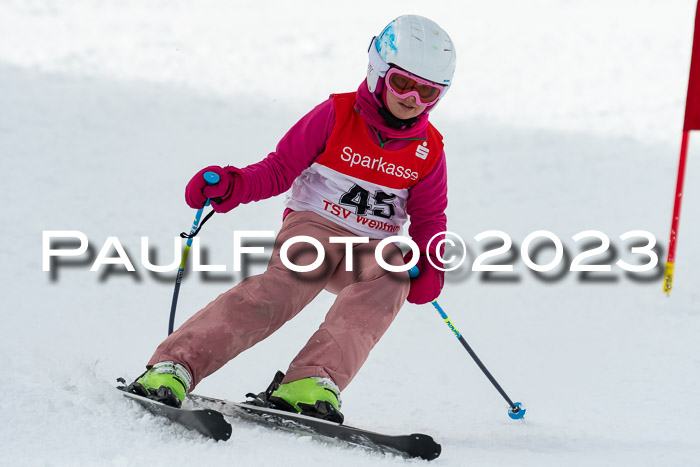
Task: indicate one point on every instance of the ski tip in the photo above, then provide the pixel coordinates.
(424, 447)
(518, 412)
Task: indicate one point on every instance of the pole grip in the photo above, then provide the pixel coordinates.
(211, 177)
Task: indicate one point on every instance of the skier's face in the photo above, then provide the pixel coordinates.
(403, 108)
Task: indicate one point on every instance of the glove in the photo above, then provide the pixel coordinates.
(427, 286)
(198, 190)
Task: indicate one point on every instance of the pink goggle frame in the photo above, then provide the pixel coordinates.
(402, 84)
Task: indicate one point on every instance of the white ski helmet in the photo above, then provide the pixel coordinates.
(416, 44)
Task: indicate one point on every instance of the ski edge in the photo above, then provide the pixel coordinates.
(420, 445)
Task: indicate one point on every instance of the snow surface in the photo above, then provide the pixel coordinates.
(563, 116)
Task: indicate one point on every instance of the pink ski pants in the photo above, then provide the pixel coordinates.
(368, 299)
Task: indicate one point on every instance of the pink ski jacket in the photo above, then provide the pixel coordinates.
(306, 141)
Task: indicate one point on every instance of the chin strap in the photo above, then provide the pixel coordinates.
(395, 122)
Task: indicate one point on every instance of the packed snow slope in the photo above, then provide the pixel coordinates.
(563, 117)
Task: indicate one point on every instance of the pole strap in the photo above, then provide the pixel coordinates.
(194, 234)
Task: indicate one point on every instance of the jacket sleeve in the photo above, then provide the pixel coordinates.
(296, 151)
(426, 206)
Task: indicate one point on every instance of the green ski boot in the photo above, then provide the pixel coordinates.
(315, 397)
(165, 382)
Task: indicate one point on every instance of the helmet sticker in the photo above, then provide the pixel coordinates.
(387, 41)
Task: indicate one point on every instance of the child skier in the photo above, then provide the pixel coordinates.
(359, 164)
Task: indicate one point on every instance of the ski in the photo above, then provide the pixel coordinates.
(410, 446)
(208, 422)
(209, 416)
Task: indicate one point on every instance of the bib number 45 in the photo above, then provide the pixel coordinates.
(359, 198)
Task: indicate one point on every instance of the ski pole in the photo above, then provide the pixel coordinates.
(516, 411)
(211, 178)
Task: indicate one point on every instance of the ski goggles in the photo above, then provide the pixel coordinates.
(402, 84)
